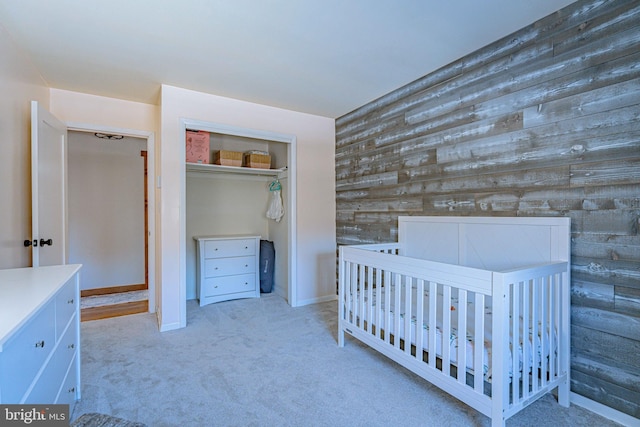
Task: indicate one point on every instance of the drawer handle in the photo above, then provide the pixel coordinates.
(70, 301)
(71, 346)
(40, 344)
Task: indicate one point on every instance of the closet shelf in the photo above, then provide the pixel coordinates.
(208, 168)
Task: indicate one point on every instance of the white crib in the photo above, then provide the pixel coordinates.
(492, 281)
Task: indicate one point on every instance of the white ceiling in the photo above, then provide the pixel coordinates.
(324, 57)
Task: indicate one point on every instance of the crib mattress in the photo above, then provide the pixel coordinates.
(378, 319)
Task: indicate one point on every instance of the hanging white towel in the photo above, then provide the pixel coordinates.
(276, 210)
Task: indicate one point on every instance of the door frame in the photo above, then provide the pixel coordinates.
(290, 197)
(151, 174)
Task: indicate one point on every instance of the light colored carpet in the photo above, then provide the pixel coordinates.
(102, 420)
(259, 362)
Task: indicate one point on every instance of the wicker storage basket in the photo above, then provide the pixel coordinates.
(259, 161)
(228, 158)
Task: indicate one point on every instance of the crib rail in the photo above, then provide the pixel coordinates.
(497, 341)
(386, 248)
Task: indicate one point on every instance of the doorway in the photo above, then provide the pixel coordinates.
(109, 222)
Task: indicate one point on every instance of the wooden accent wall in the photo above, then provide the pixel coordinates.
(545, 122)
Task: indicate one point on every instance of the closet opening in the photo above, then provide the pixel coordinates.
(230, 201)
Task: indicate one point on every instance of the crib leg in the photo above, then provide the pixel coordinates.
(340, 337)
(498, 422)
(563, 393)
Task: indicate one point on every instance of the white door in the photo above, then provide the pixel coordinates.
(48, 187)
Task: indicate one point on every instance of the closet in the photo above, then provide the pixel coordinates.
(233, 200)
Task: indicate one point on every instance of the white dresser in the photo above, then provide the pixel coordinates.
(227, 268)
(40, 335)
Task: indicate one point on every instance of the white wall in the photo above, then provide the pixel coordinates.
(78, 107)
(20, 83)
(315, 198)
(106, 209)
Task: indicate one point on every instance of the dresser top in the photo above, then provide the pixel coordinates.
(24, 290)
(229, 237)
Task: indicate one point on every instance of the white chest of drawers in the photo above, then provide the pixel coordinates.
(40, 335)
(227, 267)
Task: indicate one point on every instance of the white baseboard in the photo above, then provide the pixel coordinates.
(317, 300)
(170, 326)
(605, 411)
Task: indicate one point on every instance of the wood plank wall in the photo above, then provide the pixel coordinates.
(545, 122)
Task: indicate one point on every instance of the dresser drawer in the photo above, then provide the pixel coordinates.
(229, 248)
(66, 304)
(228, 285)
(25, 353)
(47, 386)
(227, 266)
(69, 392)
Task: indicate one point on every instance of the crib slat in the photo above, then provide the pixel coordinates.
(345, 291)
(552, 325)
(419, 318)
(361, 293)
(353, 302)
(396, 309)
(478, 344)
(378, 320)
(344, 284)
(553, 360)
(407, 315)
(535, 319)
(526, 337)
(515, 340)
(446, 329)
(556, 325)
(349, 292)
(462, 336)
(433, 296)
(387, 306)
(352, 297)
(544, 325)
(369, 305)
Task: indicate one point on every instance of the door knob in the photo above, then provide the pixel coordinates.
(28, 243)
(46, 242)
